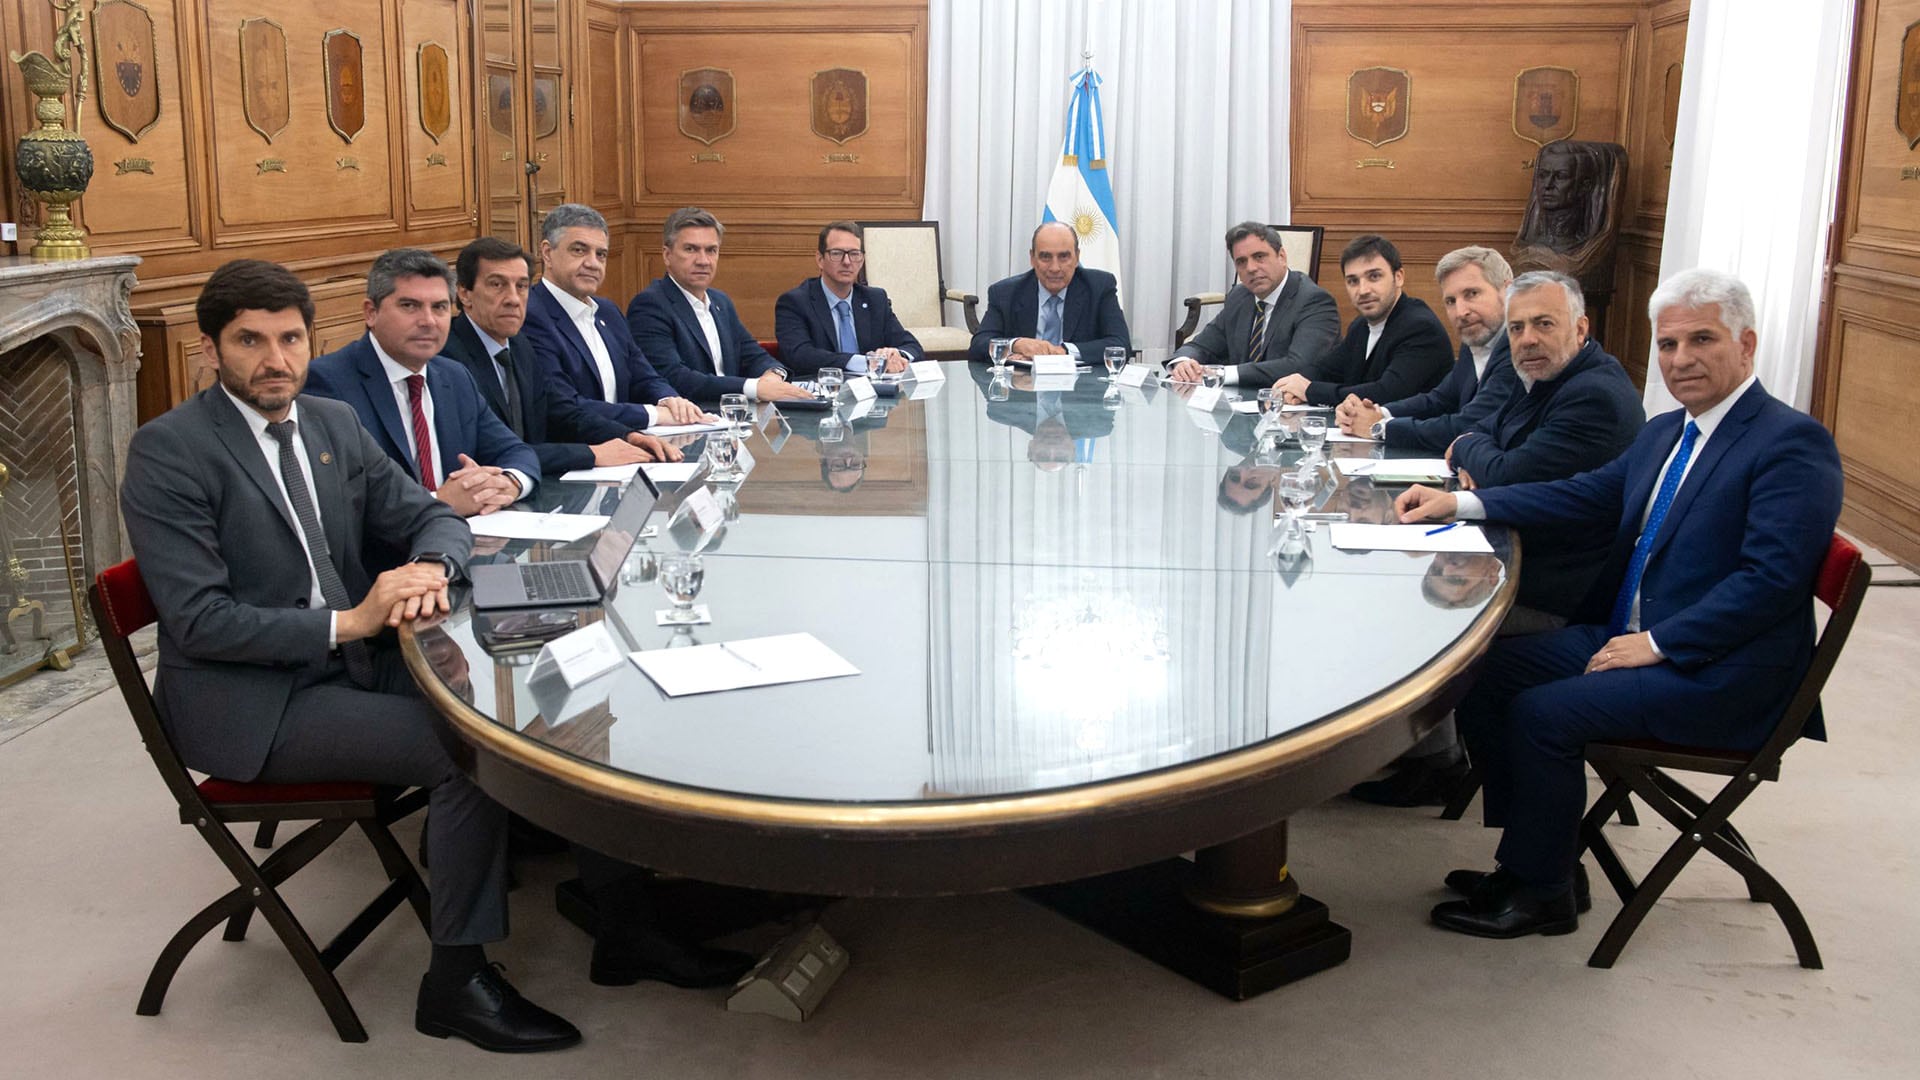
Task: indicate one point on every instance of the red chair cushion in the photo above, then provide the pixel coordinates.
(1838, 566)
(772, 347)
(124, 594)
(224, 792)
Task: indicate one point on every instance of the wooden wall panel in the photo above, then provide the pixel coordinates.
(439, 172)
(325, 182)
(604, 81)
(1460, 175)
(1865, 387)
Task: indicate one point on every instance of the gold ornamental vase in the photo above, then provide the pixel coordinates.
(54, 164)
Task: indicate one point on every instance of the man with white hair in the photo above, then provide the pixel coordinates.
(1697, 627)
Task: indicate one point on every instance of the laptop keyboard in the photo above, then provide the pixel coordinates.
(556, 581)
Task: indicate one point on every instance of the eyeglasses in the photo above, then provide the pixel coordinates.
(845, 255)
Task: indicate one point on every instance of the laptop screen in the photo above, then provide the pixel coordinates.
(611, 546)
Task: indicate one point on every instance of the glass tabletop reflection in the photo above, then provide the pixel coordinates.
(1045, 581)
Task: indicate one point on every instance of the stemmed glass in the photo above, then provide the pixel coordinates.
(1115, 357)
(1213, 376)
(735, 409)
(877, 368)
(681, 575)
(1269, 401)
(723, 454)
(1313, 437)
(1297, 489)
(998, 350)
(829, 380)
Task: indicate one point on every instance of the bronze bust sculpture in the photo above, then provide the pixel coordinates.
(1574, 213)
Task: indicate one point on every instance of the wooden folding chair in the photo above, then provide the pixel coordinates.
(121, 606)
(1640, 768)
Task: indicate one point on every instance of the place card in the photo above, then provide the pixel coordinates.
(1132, 375)
(581, 656)
(1206, 398)
(743, 460)
(705, 509)
(861, 388)
(927, 371)
(1055, 365)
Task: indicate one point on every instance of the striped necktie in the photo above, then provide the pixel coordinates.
(359, 663)
(422, 437)
(1257, 343)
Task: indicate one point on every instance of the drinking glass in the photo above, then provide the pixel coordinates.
(1115, 357)
(1000, 387)
(830, 379)
(1270, 402)
(722, 454)
(832, 428)
(737, 412)
(1297, 489)
(642, 566)
(998, 350)
(877, 368)
(1313, 435)
(681, 575)
(1213, 376)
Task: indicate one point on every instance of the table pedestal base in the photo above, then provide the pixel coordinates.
(1169, 912)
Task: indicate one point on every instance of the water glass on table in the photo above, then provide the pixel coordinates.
(1313, 435)
(736, 411)
(723, 454)
(829, 380)
(681, 575)
(1213, 376)
(999, 351)
(1115, 357)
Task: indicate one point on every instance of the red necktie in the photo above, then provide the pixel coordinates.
(422, 437)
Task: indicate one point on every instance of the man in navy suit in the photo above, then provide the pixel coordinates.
(429, 418)
(1473, 283)
(1395, 349)
(835, 321)
(494, 278)
(1058, 307)
(691, 330)
(581, 341)
(1698, 626)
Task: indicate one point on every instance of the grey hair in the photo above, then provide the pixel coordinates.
(570, 216)
(399, 263)
(1534, 279)
(1702, 287)
(690, 217)
(1490, 262)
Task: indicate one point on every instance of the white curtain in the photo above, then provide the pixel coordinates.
(1195, 94)
(1755, 164)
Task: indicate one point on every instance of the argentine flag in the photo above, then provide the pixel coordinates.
(1081, 194)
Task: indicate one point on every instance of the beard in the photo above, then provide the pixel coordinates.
(265, 400)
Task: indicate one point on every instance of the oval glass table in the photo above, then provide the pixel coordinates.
(1086, 645)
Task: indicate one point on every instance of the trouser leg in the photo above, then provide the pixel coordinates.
(1513, 666)
(1443, 745)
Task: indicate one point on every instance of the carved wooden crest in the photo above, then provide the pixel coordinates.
(1906, 113)
(706, 104)
(840, 104)
(346, 82)
(1670, 105)
(1378, 99)
(1546, 104)
(124, 56)
(500, 104)
(265, 98)
(546, 106)
(436, 95)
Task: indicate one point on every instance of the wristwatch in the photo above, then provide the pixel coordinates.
(454, 576)
(1379, 429)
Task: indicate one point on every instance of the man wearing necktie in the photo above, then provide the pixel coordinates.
(834, 320)
(1696, 630)
(247, 506)
(1057, 308)
(1274, 321)
(493, 279)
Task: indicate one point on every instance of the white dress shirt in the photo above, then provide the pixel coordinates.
(397, 375)
(586, 319)
(703, 314)
(270, 449)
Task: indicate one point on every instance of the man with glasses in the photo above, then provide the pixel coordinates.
(691, 330)
(835, 320)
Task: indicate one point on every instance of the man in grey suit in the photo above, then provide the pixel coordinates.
(247, 507)
(1274, 322)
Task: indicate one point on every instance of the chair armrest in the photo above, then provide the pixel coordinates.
(970, 303)
(1194, 304)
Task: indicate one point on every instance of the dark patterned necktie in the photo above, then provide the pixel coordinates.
(1662, 502)
(1257, 344)
(510, 385)
(422, 438)
(359, 663)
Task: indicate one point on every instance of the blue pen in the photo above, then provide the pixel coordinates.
(1442, 528)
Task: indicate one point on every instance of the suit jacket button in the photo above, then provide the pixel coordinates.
(300, 603)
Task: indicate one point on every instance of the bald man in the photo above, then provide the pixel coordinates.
(1057, 308)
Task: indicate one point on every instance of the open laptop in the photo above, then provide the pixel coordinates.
(569, 582)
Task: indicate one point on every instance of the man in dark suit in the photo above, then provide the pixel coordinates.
(1698, 626)
(1473, 282)
(1275, 321)
(691, 330)
(428, 417)
(1395, 349)
(493, 278)
(835, 321)
(247, 506)
(582, 342)
(1575, 409)
(1056, 308)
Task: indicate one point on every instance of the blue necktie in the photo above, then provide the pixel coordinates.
(1662, 502)
(1050, 319)
(843, 313)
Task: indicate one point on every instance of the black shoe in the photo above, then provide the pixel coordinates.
(489, 1013)
(1466, 882)
(1502, 906)
(1416, 783)
(629, 958)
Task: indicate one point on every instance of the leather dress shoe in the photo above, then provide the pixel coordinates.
(1466, 882)
(1503, 906)
(1415, 783)
(489, 1013)
(628, 958)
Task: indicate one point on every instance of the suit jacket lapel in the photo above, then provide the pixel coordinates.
(374, 384)
(473, 354)
(232, 431)
(1732, 428)
(570, 337)
(1079, 306)
(1025, 316)
(683, 312)
(446, 417)
(722, 318)
(327, 493)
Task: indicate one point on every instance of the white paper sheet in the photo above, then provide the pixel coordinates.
(526, 525)
(1352, 536)
(666, 430)
(1246, 406)
(1336, 435)
(670, 472)
(603, 474)
(1435, 468)
(734, 665)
